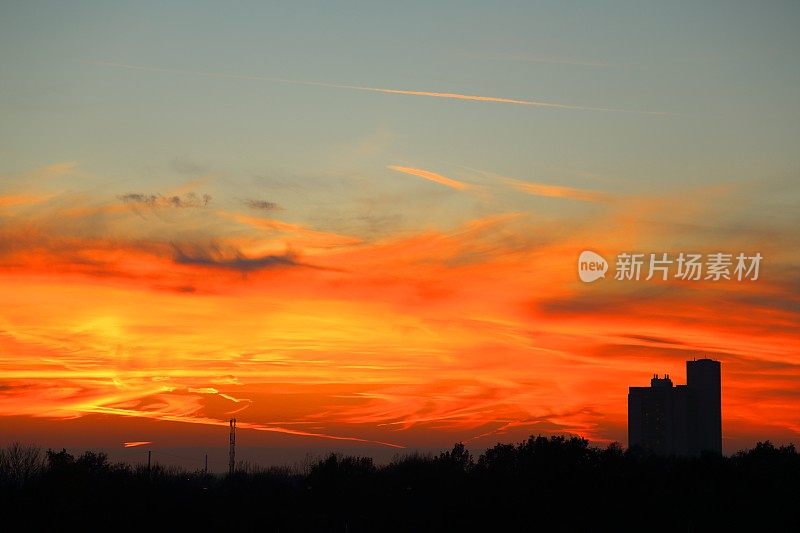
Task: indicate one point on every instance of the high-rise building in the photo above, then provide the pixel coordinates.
(682, 419)
(703, 379)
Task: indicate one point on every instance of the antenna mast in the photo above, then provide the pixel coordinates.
(232, 455)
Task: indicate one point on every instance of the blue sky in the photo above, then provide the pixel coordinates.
(724, 72)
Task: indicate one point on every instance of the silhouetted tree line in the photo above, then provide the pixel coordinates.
(554, 483)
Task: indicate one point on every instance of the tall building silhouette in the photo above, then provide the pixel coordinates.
(682, 419)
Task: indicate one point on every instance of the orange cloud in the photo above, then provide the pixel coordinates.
(480, 331)
(283, 234)
(136, 443)
(22, 199)
(557, 191)
(58, 169)
(431, 176)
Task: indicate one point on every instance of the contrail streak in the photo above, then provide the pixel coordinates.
(430, 94)
(214, 422)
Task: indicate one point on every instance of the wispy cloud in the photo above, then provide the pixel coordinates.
(556, 191)
(294, 235)
(14, 200)
(156, 200)
(528, 187)
(214, 258)
(407, 92)
(431, 176)
(262, 205)
(136, 443)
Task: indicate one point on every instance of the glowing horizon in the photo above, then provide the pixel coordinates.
(449, 333)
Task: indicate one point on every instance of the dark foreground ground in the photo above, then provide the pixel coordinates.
(542, 484)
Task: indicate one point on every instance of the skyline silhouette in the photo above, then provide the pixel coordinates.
(505, 486)
(679, 420)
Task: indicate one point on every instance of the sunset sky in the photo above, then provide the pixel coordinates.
(357, 223)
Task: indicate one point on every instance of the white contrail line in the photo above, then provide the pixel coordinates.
(454, 96)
